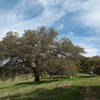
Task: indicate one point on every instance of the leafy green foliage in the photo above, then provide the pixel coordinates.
(28, 53)
(90, 64)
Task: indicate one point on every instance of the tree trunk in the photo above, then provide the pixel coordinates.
(37, 77)
(36, 74)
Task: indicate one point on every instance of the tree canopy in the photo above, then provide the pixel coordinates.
(30, 52)
(88, 64)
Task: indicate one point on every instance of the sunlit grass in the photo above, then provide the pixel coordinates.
(56, 89)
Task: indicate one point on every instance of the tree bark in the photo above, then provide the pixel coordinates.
(37, 77)
(36, 74)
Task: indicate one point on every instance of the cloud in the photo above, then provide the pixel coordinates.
(61, 26)
(90, 50)
(19, 18)
(71, 34)
(29, 14)
(90, 44)
(90, 15)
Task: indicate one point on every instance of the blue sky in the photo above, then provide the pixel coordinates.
(79, 20)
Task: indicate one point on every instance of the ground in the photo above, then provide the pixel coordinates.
(81, 87)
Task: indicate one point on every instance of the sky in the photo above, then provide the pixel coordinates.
(78, 20)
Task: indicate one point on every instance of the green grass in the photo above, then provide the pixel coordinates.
(57, 89)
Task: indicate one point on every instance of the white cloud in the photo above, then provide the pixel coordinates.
(50, 14)
(90, 44)
(90, 15)
(61, 26)
(87, 13)
(85, 43)
(71, 34)
(53, 10)
(90, 50)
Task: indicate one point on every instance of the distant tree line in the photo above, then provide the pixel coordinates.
(39, 52)
(90, 64)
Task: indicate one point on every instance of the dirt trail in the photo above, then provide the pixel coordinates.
(89, 94)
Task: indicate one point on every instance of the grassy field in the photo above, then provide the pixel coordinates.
(81, 87)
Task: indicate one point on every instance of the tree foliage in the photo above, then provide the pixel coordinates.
(30, 53)
(90, 64)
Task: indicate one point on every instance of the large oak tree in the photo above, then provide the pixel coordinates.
(27, 53)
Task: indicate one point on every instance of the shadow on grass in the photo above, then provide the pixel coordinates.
(55, 79)
(23, 84)
(30, 83)
(61, 93)
(43, 82)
